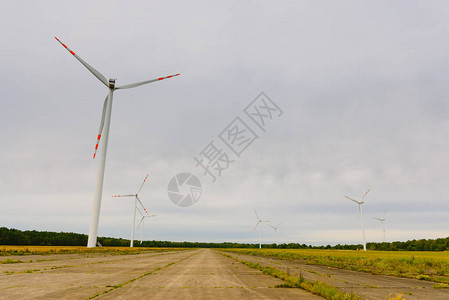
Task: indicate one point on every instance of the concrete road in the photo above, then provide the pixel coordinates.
(208, 275)
(76, 276)
(189, 274)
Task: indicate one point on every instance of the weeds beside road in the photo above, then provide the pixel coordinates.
(431, 266)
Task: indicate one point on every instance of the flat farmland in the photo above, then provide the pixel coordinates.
(171, 273)
(175, 274)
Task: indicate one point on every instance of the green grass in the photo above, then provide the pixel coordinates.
(49, 250)
(316, 287)
(441, 286)
(431, 266)
(10, 261)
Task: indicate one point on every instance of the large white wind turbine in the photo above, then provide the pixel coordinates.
(104, 131)
(360, 202)
(142, 222)
(382, 220)
(259, 220)
(136, 199)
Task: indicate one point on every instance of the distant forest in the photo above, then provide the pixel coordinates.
(46, 238)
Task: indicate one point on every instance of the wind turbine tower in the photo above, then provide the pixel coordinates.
(360, 202)
(382, 220)
(142, 222)
(104, 131)
(259, 220)
(136, 199)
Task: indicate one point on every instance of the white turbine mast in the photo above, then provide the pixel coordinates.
(382, 220)
(360, 202)
(259, 220)
(136, 199)
(103, 131)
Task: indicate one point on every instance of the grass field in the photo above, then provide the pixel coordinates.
(432, 266)
(43, 250)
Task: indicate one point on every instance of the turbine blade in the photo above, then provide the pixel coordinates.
(278, 224)
(140, 222)
(257, 215)
(89, 67)
(384, 214)
(256, 225)
(365, 195)
(352, 199)
(131, 85)
(272, 226)
(143, 216)
(142, 184)
(101, 125)
(124, 196)
(377, 219)
(142, 204)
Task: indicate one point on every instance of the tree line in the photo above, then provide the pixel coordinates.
(47, 238)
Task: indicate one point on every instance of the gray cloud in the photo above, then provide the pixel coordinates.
(362, 87)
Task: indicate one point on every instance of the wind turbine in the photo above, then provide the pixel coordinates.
(275, 227)
(104, 130)
(259, 220)
(382, 220)
(360, 202)
(142, 221)
(136, 199)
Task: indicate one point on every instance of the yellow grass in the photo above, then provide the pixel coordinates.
(21, 250)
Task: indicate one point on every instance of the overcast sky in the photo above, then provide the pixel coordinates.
(362, 86)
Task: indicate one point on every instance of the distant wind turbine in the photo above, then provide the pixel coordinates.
(104, 130)
(360, 202)
(136, 199)
(142, 222)
(259, 220)
(275, 227)
(382, 220)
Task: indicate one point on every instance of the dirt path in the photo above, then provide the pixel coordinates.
(189, 274)
(367, 285)
(207, 275)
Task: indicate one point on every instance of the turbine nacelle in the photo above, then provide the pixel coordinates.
(112, 83)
